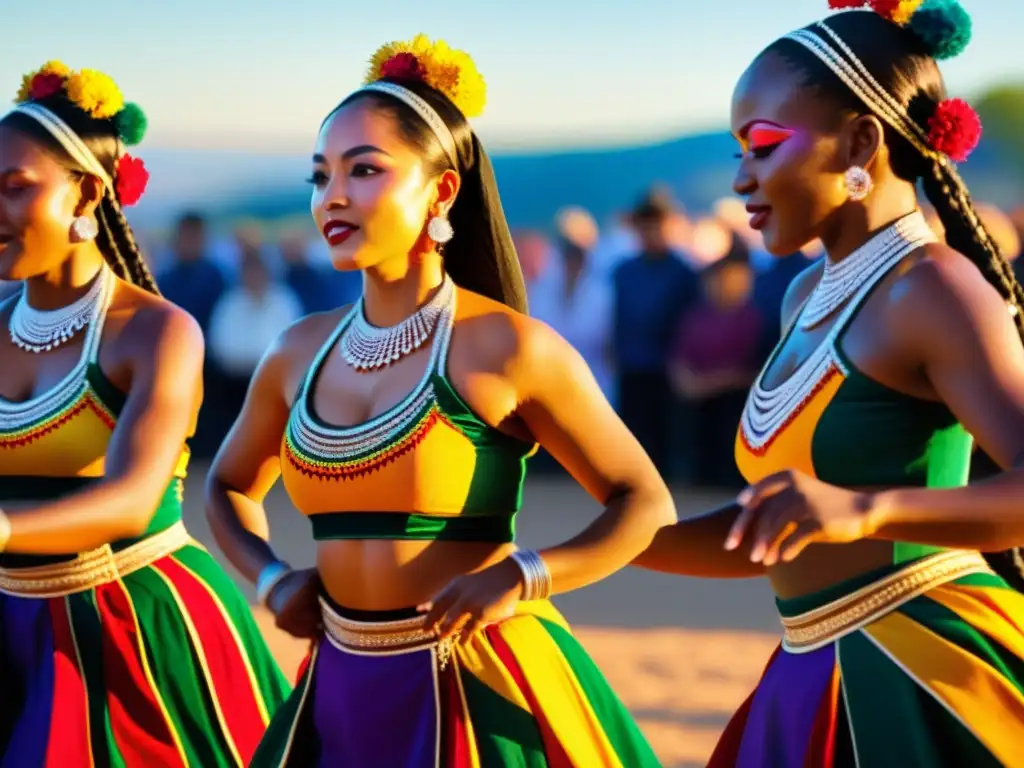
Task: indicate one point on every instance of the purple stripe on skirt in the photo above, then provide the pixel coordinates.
(785, 705)
(376, 711)
(26, 666)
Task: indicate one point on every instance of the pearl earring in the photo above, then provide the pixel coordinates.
(858, 182)
(84, 229)
(439, 229)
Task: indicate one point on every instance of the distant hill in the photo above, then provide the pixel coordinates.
(533, 185)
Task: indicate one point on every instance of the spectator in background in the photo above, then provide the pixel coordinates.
(651, 292)
(577, 302)
(318, 287)
(715, 359)
(248, 318)
(192, 281)
(1017, 218)
(770, 288)
(532, 249)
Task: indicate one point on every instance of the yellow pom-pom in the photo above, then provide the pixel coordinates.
(905, 10)
(95, 92)
(54, 67)
(25, 92)
(450, 71)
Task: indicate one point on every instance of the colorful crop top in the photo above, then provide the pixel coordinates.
(56, 443)
(831, 421)
(428, 468)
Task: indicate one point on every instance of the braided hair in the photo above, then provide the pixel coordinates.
(903, 64)
(115, 239)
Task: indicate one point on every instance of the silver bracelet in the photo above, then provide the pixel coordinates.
(536, 576)
(270, 577)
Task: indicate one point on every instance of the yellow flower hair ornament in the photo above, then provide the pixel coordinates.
(91, 91)
(445, 69)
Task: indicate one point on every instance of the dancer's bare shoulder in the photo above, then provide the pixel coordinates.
(288, 358)
(141, 328)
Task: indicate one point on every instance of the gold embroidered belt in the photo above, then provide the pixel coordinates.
(93, 568)
(814, 629)
(383, 637)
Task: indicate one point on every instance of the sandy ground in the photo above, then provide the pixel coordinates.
(681, 653)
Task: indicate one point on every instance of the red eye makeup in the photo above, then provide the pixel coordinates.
(763, 135)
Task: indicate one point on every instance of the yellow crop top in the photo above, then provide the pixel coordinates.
(55, 443)
(428, 468)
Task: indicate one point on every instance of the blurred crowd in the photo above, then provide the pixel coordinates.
(674, 313)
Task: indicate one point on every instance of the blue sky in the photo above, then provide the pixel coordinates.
(260, 74)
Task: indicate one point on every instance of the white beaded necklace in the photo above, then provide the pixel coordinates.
(768, 411)
(842, 280)
(37, 330)
(366, 347)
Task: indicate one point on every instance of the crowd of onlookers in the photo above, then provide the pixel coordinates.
(674, 313)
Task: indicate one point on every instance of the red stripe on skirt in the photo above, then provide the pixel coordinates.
(553, 750)
(69, 745)
(727, 751)
(455, 744)
(304, 664)
(140, 727)
(231, 683)
(821, 751)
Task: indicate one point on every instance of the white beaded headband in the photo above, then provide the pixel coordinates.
(424, 110)
(848, 68)
(69, 140)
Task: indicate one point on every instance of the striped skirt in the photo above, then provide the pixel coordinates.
(919, 665)
(380, 691)
(128, 657)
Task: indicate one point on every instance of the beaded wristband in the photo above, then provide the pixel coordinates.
(536, 576)
(5, 530)
(270, 577)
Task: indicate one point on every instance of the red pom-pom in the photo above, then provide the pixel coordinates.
(836, 5)
(45, 84)
(954, 129)
(403, 66)
(132, 178)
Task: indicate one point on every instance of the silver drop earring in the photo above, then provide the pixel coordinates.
(439, 229)
(84, 229)
(858, 182)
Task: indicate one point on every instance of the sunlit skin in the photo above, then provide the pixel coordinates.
(150, 350)
(515, 373)
(933, 329)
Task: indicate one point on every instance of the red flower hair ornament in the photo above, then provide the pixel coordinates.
(954, 129)
(131, 179)
(45, 84)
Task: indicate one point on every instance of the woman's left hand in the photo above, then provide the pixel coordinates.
(471, 602)
(787, 511)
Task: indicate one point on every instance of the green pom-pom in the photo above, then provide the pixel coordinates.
(131, 124)
(943, 26)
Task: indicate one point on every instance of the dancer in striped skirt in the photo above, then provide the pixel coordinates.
(122, 643)
(902, 645)
(401, 427)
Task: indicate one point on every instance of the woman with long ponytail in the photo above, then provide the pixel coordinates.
(401, 428)
(122, 642)
(903, 641)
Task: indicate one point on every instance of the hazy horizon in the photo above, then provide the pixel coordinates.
(260, 75)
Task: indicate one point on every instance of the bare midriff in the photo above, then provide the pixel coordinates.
(389, 574)
(824, 565)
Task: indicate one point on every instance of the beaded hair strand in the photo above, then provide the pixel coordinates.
(967, 233)
(128, 250)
